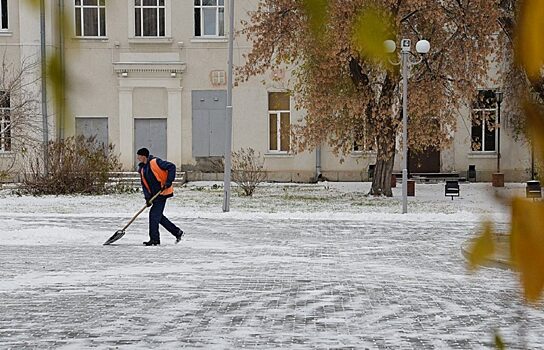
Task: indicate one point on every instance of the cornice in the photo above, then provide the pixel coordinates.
(154, 67)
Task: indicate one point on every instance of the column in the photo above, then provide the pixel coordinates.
(126, 128)
(174, 125)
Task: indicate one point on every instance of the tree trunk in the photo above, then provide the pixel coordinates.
(385, 141)
(381, 182)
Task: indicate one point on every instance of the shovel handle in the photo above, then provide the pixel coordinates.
(141, 210)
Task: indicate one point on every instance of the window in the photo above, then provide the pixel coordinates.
(363, 146)
(218, 77)
(279, 122)
(3, 14)
(483, 121)
(90, 17)
(149, 18)
(362, 142)
(5, 122)
(209, 18)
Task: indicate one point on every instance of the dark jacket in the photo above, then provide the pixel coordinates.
(152, 180)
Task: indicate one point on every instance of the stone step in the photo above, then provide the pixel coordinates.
(133, 178)
(431, 177)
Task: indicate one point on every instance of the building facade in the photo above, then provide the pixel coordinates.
(152, 73)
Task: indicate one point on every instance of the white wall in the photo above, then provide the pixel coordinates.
(97, 88)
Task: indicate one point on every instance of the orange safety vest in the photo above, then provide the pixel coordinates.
(160, 175)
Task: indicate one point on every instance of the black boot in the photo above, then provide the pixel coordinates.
(152, 243)
(179, 235)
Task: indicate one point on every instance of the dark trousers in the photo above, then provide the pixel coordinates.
(156, 217)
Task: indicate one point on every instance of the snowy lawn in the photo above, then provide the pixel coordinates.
(328, 198)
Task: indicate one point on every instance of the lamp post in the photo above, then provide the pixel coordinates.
(228, 122)
(498, 177)
(532, 160)
(43, 62)
(498, 97)
(422, 47)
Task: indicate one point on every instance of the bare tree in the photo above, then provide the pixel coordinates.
(247, 170)
(20, 126)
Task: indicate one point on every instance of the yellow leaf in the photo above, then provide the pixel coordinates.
(482, 247)
(372, 27)
(499, 343)
(316, 11)
(527, 246)
(535, 126)
(530, 46)
(55, 78)
(35, 3)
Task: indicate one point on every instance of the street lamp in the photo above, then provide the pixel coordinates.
(43, 62)
(498, 97)
(498, 177)
(228, 121)
(422, 47)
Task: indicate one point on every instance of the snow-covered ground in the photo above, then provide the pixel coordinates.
(296, 266)
(345, 200)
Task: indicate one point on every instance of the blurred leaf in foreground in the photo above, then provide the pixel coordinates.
(535, 126)
(530, 46)
(372, 27)
(316, 11)
(527, 246)
(35, 3)
(482, 248)
(55, 79)
(499, 343)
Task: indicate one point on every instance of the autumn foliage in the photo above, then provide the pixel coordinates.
(346, 84)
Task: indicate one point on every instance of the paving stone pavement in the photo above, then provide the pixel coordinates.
(234, 284)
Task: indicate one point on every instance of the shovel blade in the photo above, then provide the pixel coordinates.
(116, 236)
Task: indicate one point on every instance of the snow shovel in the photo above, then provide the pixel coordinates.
(120, 233)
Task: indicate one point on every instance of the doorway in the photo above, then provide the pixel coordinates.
(427, 161)
(151, 134)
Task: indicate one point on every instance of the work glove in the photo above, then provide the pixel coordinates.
(165, 186)
(148, 203)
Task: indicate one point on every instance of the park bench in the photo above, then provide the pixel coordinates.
(452, 188)
(533, 189)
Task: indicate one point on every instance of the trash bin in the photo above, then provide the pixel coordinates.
(471, 173)
(411, 188)
(497, 179)
(371, 171)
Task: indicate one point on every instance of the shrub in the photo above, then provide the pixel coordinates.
(247, 170)
(4, 175)
(76, 165)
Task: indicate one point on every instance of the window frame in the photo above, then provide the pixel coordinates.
(5, 119)
(4, 11)
(218, 28)
(364, 146)
(100, 4)
(278, 113)
(488, 114)
(165, 7)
